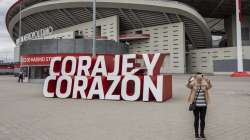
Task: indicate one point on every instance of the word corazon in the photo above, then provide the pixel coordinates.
(129, 77)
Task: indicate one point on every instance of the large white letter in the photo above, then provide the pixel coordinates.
(45, 87)
(151, 66)
(84, 65)
(97, 82)
(110, 92)
(59, 94)
(126, 64)
(52, 64)
(116, 65)
(73, 66)
(100, 61)
(81, 88)
(137, 84)
(150, 86)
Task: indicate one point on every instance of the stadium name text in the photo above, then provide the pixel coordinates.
(39, 34)
(109, 77)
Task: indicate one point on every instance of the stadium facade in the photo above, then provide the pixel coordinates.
(183, 29)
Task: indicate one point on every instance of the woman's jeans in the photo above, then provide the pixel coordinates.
(199, 115)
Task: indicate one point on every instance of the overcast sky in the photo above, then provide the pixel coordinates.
(6, 44)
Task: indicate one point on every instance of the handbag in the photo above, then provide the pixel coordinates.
(192, 106)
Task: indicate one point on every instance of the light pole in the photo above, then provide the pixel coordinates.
(239, 42)
(20, 33)
(240, 70)
(94, 29)
(20, 23)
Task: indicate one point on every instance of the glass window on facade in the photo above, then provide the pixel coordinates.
(39, 72)
(245, 34)
(98, 31)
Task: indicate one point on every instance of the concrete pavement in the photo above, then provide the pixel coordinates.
(26, 115)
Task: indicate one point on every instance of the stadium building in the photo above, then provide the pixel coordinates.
(196, 35)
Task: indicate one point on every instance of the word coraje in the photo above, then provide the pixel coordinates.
(129, 77)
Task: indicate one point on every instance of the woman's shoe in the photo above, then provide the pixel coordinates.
(197, 135)
(202, 136)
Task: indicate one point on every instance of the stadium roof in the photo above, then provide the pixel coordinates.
(38, 14)
(207, 8)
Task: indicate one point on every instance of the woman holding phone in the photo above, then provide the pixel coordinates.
(199, 99)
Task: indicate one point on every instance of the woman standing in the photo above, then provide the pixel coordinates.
(199, 97)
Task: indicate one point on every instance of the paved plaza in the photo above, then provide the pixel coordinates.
(26, 115)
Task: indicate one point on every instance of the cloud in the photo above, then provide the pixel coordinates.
(6, 44)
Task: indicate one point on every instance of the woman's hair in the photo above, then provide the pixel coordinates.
(199, 73)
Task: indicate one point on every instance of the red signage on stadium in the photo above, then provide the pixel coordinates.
(37, 59)
(41, 59)
(109, 77)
